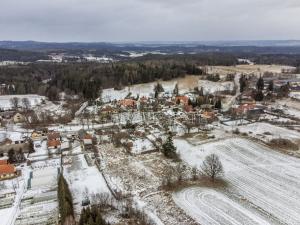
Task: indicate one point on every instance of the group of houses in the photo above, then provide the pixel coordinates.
(12, 116)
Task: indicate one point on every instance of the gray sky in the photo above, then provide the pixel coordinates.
(149, 20)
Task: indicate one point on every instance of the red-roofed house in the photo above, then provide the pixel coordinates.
(182, 100)
(7, 171)
(130, 103)
(53, 144)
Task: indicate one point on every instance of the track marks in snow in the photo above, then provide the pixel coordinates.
(211, 207)
(267, 179)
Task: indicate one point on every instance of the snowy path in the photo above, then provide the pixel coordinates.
(268, 180)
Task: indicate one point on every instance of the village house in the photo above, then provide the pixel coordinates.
(53, 140)
(127, 103)
(107, 109)
(7, 171)
(53, 144)
(87, 139)
(18, 118)
(184, 100)
(208, 116)
(39, 134)
(242, 109)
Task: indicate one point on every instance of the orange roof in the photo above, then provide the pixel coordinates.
(244, 108)
(53, 135)
(127, 102)
(7, 169)
(53, 143)
(3, 162)
(207, 114)
(182, 99)
(87, 136)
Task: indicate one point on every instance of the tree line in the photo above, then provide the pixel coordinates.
(87, 79)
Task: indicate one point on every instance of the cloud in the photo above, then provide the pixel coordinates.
(148, 20)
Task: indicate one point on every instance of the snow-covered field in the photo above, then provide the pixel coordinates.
(248, 69)
(185, 84)
(6, 104)
(210, 87)
(201, 202)
(263, 185)
(269, 131)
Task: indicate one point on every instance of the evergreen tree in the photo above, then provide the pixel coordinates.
(218, 104)
(176, 90)
(271, 85)
(260, 84)
(158, 88)
(168, 148)
(65, 200)
(259, 96)
(156, 94)
(243, 83)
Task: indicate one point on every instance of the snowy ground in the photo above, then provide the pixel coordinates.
(248, 69)
(266, 131)
(210, 87)
(141, 145)
(84, 181)
(295, 94)
(185, 84)
(263, 185)
(33, 99)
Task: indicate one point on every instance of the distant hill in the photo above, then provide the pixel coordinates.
(21, 55)
(255, 47)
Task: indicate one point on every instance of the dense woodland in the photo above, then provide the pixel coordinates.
(87, 79)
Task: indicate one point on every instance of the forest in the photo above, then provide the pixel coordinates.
(87, 79)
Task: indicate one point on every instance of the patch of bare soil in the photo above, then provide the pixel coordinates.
(283, 144)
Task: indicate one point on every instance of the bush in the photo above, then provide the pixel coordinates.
(284, 143)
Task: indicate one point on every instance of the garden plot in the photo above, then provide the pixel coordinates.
(263, 185)
(141, 145)
(84, 181)
(140, 176)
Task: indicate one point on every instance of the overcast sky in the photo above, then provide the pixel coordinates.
(149, 20)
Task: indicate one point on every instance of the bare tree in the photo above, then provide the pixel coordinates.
(14, 102)
(26, 103)
(212, 166)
